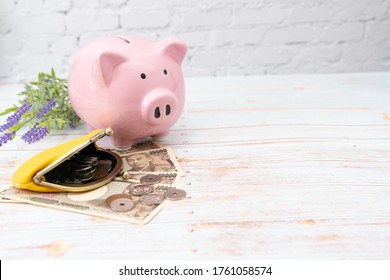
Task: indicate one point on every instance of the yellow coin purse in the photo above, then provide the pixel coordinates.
(75, 166)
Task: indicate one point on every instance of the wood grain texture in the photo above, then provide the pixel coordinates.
(278, 167)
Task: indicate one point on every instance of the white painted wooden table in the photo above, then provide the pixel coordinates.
(279, 167)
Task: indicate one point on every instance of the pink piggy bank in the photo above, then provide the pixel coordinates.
(133, 85)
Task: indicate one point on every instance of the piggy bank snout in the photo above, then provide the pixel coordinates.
(159, 106)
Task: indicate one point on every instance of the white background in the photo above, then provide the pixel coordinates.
(225, 37)
(281, 270)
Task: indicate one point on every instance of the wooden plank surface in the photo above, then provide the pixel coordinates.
(291, 166)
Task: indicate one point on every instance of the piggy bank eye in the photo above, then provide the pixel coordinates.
(143, 76)
(165, 72)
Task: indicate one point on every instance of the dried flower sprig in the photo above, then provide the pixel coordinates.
(45, 107)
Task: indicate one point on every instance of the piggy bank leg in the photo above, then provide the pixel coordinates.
(122, 149)
(121, 143)
(160, 137)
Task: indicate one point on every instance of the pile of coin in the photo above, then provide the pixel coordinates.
(80, 169)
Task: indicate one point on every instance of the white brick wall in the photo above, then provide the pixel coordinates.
(225, 37)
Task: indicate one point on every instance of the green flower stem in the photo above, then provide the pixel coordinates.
(48, 107)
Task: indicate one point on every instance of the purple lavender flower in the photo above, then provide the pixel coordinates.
(15, 117)
(6, 137)
(35, 134)
(46, 108)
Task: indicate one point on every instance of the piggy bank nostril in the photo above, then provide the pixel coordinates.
(157, 113)
(167, 110)
(160, 107)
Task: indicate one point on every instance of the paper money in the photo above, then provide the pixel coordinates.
(162, 178)
(90, 203)
(156, 160)
(139, 147)
(165, 174)
(6, 200)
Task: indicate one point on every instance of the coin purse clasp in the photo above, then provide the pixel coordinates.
(75, 166)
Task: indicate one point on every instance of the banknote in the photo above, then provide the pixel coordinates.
(7, 200)
(91, 202)
(170, 179)
(156, 160)
(141, 146)
(165, 174)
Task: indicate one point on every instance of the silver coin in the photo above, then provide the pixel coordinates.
(120, 202)
(75, 166)
(150, 179)
(72, 181)
(88, 160)
(140, 189)
(151, 199)
(84, 175)
(88, 170)
(175, 194)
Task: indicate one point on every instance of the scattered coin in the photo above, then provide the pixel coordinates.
(140, 189)
(150, 179)
(120, 202)
(175, 194)
(151, 199)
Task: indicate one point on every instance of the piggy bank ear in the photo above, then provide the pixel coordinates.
(173, 48)
(108, 62)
